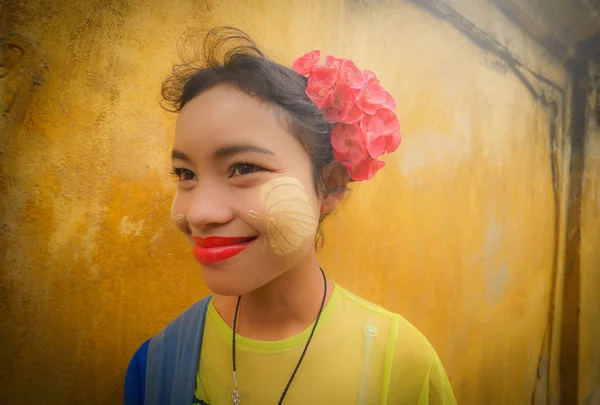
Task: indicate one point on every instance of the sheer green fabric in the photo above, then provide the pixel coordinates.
(360, 354)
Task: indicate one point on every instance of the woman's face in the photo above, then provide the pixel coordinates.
(245, 196)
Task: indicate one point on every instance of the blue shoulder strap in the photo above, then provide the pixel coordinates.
(172, 360)
(135, 378)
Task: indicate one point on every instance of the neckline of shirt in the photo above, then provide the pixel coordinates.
(271, 346)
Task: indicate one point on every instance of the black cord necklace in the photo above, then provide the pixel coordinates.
(236, 394)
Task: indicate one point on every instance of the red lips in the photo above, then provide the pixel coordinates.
(217, 248)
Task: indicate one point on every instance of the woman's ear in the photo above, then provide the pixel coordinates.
(336, 180)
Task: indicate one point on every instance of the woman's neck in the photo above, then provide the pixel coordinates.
(282, 308)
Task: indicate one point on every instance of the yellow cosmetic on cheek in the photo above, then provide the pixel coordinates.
(178, 216)
(291, 219)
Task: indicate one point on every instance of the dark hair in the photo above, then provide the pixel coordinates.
(229, 55)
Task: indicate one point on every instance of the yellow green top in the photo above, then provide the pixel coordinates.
(360, 354)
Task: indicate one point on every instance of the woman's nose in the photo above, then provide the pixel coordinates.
(209, 207)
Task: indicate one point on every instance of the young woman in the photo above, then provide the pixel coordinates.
(262, 154)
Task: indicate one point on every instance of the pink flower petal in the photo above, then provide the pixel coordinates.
(371, 98)
(355, 114)
(365, 169)
(389, 120)
(374, 166)
(348, 143)
(351, 75)
(373, 127)
(341, 133)
(369, 76)
(375, 94)
(340, 103)
(332, 62)
(305, 63)
(358, 93)
(334, 65)
(356, 154)
(367, 107)
(319, 85)
(392, 141)
(358, 172)
(376, 146)
(319, 95)
(389, 101)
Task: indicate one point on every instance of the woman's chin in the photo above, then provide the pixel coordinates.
(223, 290)
(222, 281)
(232, 282)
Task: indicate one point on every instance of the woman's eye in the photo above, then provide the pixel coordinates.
(184, 174)
(240, 169)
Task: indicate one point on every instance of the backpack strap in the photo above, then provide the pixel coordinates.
(173, 358)
(135, 377)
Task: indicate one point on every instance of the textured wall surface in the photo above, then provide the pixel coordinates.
(589, 338)
(458, 233)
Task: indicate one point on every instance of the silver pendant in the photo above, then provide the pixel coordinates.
(235, 395)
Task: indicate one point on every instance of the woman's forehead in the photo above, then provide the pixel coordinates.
(224, 115)
(225, 105)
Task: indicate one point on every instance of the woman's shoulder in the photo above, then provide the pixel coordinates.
(410, 363)
(414, 372)
(354, 300)
(403, 332)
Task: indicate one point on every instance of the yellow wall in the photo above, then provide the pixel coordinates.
(589, 321)
(456, 234)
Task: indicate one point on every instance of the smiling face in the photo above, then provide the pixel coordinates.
(245, 197)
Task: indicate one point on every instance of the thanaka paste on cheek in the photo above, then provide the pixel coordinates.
(291, 219)
(178, 216)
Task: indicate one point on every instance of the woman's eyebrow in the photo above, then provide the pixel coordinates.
(224, 152)
(231, 150)
(177, 154)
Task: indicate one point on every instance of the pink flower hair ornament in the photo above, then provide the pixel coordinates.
(366, 126)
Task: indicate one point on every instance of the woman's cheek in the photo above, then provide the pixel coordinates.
(288, 216)
(178, 212)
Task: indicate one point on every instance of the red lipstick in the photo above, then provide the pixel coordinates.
(217, 248)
